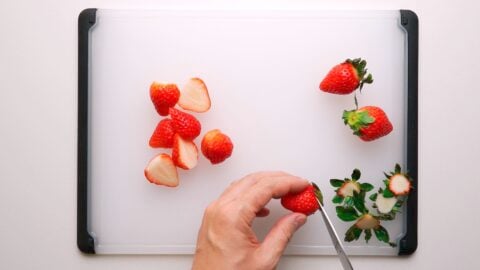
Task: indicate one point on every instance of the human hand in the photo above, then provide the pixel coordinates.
(226, 239)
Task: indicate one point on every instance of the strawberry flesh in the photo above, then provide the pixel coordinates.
(184, 153)
(194, 96)
(162, 171)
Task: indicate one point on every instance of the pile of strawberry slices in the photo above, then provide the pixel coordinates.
(178, 130)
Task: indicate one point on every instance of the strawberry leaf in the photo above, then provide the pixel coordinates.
(336, 182)
(356, 174)
(359, 202)
(346, 213)
(348, 201)
(397, 168)
(366, 187)
(387, 193)
(353, 233)
(337, 199)
(368, 235)
(373, 197)
(382, 234)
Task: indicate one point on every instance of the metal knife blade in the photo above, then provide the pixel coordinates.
(336, 241)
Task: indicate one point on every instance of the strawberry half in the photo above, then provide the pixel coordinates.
(186, 125)
(216, 146)
(184, 153)
(303, 202)
(164, 96)
(162, 171)
(194, 96)
(369, 122)
(163, 135)
(344, 78)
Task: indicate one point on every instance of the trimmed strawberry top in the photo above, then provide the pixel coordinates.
(344, 78)
(369, 122)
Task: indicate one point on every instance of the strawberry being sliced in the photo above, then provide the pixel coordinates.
(163, 134)
(162, 171)
(216, 146)
(194, 96)
(303, 202)
(184, 153)
(345, 77)
(369, 122)
(185, 124)
(164, 96)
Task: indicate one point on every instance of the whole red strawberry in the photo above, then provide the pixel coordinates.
(216, 146)
(163, 135)
(164, 96)
(344, 78)
(303, 202)
(369, 122)
(185, 124)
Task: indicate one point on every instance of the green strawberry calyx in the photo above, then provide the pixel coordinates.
(360, 66)
(357, 119)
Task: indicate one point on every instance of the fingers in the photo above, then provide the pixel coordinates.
(239, 187)
(277, 239)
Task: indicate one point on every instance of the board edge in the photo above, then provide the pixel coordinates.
(409, 21)
(85, 242)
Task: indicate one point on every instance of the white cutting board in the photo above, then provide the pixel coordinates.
(262, 69)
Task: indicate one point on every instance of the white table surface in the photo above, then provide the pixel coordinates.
(38, 112)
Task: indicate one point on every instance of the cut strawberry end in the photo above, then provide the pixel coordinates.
(385, 205)
(162, 171)
(194, 96)
(399, 184)
(367, 222)
(347, 189)
(184, 153)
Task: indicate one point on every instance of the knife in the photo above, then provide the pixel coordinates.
(336, 241)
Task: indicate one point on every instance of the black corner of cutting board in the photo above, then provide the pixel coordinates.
(86, 20)
(409, 21)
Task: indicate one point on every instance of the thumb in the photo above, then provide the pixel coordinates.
(277, 239)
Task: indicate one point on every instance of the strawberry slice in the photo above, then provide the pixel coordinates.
(164, 96)
(184, 153)
(163, 135)
(194, 96)
(399, 184)
(185, 124)
(162, 171)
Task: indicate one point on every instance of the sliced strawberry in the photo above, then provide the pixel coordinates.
(163, 135)
(347, 189)
(164, 96)
(399, 184)
(367, 222)
(216, 146)
(194, 96)
(162, 171)
(385, 205)
(184, 153)
(186, 125)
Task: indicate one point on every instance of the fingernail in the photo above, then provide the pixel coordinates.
(300, 220)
